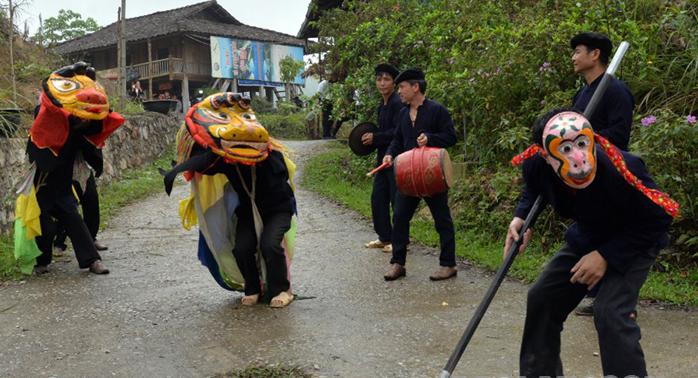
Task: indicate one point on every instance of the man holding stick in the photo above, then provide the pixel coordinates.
(621, 223)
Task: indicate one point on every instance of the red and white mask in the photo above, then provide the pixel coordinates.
(568, 140)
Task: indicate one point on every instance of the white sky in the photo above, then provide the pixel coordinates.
(284, 16)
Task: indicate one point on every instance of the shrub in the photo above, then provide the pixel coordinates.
(669, 147)
(291, 126)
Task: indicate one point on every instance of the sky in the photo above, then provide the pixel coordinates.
(284, 16)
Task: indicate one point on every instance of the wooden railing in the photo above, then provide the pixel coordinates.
(161, 67)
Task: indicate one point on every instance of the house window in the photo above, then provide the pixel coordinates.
(163, 53)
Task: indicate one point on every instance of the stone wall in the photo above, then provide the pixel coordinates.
(138, 142)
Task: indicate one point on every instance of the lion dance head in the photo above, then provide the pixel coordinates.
(225, 124)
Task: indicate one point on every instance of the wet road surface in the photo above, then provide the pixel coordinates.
(159, 313)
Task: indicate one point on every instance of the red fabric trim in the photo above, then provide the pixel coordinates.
(50, 128)
(527, 154)
(660, 198)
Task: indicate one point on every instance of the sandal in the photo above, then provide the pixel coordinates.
(282, 300)
(375, 244)
(249, 300)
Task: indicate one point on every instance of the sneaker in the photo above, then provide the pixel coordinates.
(388, 248)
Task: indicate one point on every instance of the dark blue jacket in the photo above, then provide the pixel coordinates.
(387, 123)
(613, 116)
(610, 215)
(432, 119)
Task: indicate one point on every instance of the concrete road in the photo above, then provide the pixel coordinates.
(159, 313)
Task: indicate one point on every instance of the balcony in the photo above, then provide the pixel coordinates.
(174, 68)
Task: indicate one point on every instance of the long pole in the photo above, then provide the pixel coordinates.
(122, 54)
(12, 52)
(528, 223)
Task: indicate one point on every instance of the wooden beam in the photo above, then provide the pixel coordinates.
(150, 69)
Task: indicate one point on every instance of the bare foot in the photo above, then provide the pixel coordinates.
(249, 300)
(282, 300)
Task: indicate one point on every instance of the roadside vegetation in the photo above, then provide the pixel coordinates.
(497, 66)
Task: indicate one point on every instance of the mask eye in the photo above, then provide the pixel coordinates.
(65, 85)
(218, 116)
(565, 148)
(582, 142)
(249, 116)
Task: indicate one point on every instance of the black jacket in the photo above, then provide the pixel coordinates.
(388, 116)
(613, 116)
(432, 119)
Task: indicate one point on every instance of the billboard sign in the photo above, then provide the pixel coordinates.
(251, 62)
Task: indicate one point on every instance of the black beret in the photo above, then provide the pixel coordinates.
(387, 68)
(410, 74)
(593, 41)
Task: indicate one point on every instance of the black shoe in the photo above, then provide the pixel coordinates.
(585, 308)
(100, 246)
(394, 272)
(98, 268)
(444, 273)
(40, 269)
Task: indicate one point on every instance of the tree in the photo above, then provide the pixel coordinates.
(65, 26)
(289, 68)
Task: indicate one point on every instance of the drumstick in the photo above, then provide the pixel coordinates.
(380, 167)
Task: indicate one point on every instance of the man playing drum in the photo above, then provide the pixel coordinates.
(621, 223)
(383, 194)
(422, 122)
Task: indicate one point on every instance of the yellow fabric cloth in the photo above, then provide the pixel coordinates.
(187, 213)
(27, 211)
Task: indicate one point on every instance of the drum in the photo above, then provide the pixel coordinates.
(423, 172)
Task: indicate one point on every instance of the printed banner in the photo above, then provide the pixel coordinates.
(251, 62)
(221, 58)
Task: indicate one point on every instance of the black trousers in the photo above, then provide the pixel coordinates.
(382, 199)
(405, 207)
(89, 202)
(275, 226)
(552, 297)
(64, 214)
(326, 122)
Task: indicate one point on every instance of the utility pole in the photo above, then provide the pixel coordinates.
(121, 56)
(41, 32)
(12, 53)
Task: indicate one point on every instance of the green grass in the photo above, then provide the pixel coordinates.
(336, 174)
(134, 184)
(260, 371)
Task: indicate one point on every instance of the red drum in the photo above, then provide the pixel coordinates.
(423, 172)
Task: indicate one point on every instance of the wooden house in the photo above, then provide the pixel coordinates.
(170, 50)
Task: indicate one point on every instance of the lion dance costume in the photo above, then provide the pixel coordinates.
(71, 124)
(242, 195)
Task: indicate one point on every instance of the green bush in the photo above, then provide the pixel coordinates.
(133, 107)
(260, 105)
(669, 147)
(285, 126)
(497, 66)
